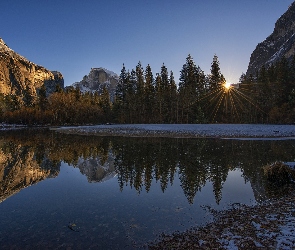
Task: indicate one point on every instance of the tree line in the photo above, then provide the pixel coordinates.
(272, 90)
(144, 97)
(63, 107)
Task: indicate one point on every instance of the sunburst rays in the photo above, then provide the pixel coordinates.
(228, 103)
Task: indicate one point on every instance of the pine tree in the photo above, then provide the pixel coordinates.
(292, 71)
(264, 94)
(105, 104)
(187, 92)
(173, 102)
(139, 102)
(149, 95)
(158, 99)
(130, 96)
(2, 107)
(215, 86)
(29, 98)
(262, 75)
(165, 95)
(121, 87)
(43, 101)
(14, 102)
(291, 96)
(247, 87)
(78, 93)
(120, 97)
(283, 88)
(191, 88)
(216, 79)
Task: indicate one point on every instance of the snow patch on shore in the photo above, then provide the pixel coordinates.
(190, 130)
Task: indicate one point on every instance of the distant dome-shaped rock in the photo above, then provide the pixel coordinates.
(97, 79)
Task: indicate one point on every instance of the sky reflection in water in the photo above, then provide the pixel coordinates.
(131, 189)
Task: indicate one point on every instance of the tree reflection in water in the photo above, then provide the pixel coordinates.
(29, 156)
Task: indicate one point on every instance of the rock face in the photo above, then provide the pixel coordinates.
(280, 43)
(20, 169)
(97, 79)
(96, 170)
(18, 75)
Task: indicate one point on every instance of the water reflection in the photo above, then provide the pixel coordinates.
(27, 157)
(22, 166)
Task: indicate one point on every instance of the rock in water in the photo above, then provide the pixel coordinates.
(280, 43)
(19, 76)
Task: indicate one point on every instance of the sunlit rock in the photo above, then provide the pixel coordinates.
(97, 79)
(20, 169)
(18, 75)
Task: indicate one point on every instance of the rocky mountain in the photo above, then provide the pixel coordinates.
(20, 169)
(97, 79)
(97, 170)
(19, 76)
(280, 43)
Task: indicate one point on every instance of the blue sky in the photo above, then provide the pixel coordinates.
(72, 36)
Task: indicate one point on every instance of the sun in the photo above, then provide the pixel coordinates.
(227, 85)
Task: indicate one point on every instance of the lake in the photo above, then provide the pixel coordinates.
(72, 192)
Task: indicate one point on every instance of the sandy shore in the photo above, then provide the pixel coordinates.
(186, 130)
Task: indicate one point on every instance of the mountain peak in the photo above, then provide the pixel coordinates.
(3, 45)
(281, 43)
(1, 41)
(19, 76)
(97, 79)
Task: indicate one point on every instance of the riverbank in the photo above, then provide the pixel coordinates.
(185, 130)
(270, 225)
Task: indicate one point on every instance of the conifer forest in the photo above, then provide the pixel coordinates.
(145, 97)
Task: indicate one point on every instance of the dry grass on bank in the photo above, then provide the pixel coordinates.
(279, 173)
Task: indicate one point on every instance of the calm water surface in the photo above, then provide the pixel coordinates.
(61, 191)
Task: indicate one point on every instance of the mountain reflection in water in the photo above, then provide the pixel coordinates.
(120, 193)
(29, 156)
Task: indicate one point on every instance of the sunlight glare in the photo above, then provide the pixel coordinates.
(227, 85)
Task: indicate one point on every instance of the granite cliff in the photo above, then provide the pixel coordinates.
(19, 169)
(281, 43)
(18, 75)
(97, 79)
